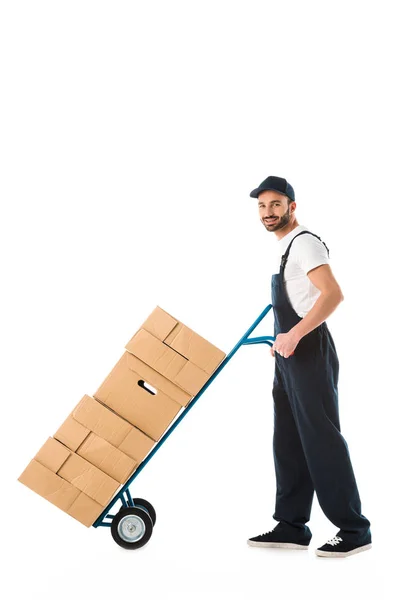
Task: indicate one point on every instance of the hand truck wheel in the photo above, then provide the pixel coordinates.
(142, 503)
(131, 528)
(145, 505)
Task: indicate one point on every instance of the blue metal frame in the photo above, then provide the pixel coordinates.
(124, 494)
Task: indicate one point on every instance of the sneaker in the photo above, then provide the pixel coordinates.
(337, 547)
(279, 537)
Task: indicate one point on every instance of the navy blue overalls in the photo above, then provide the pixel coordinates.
(309, 451)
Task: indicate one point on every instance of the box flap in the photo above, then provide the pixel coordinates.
(85, 509)
(52, 454)
(98, 418)
(89, 479)
(191, 378)
(159, 323)
(107, 458)
(156, 354)
(50, 486)
(195, 348)
(71, 433)
(137, 444)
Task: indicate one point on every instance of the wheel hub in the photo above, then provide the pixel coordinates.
(131, 528)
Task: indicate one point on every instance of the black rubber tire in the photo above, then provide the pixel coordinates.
(148, 528)
(141, 502)
(146, 506)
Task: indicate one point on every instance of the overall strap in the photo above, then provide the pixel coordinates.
(285, 256)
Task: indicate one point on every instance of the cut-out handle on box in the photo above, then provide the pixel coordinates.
(146, 386)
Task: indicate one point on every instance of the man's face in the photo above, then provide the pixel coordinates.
(273, 210)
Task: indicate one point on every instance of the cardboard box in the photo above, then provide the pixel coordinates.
(175, 351)
(104, 439)
(139, 402)
(76, 470)
(154, 379)
(167, 361)
(184, 340)
(46, 483)
(107, 458)
(61, 493)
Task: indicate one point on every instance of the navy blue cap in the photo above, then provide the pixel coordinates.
(277, 184)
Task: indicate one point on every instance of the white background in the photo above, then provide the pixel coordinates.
(131, 136)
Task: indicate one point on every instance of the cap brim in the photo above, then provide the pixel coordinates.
(255, 193)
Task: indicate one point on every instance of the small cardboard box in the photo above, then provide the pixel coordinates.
(175, 351)
(105, 439)
(167, 361)
(184, 340)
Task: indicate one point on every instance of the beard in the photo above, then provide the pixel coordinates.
(281, 222)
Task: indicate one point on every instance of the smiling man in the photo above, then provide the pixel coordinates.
(310, 453)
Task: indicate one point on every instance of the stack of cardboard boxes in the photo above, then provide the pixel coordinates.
(107, 436)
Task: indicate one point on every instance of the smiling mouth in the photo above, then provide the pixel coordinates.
(271, 220)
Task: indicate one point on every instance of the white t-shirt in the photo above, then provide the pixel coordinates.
(306, 253)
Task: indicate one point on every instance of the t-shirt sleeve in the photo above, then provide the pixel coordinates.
(309, 252)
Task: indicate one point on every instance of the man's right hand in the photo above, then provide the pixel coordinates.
(273, 351)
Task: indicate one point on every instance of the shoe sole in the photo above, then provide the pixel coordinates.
(342, 554)
(277, 545)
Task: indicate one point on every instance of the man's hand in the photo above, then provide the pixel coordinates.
(285, 344)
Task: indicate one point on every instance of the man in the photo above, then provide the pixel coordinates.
(309, 451)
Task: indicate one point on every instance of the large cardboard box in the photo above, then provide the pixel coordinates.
(104, 439)
(69, 482)
(137, 400)
(61, 493)
(76, 470)
(150, 378)
(165, 365)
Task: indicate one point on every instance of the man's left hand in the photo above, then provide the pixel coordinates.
(285, 343)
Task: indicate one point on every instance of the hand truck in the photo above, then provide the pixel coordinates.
(132, 526)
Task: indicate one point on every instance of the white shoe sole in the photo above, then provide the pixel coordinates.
(277, 545)
(343, 554)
